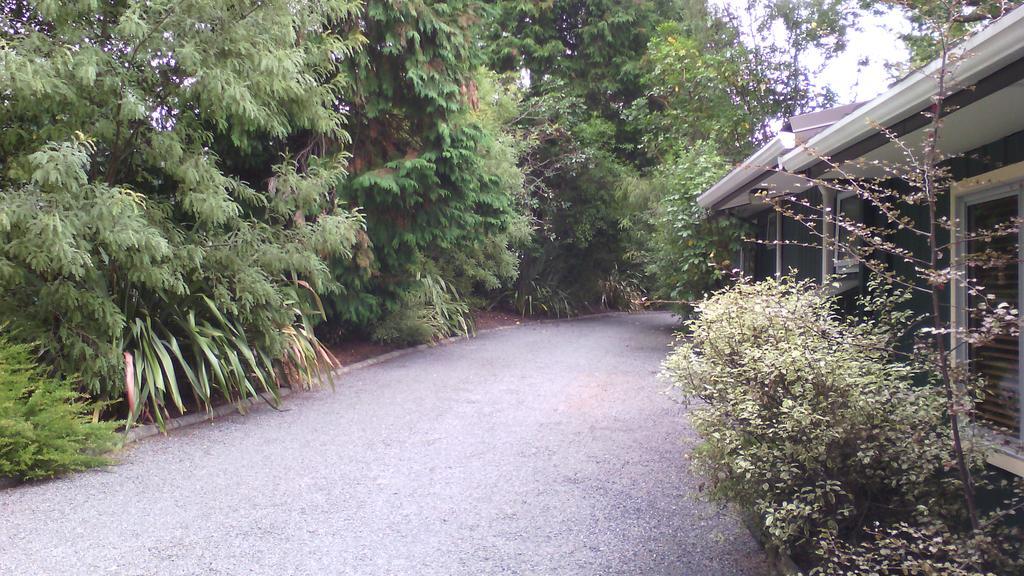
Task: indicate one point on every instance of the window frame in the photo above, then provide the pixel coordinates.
(962, 202)
(1007, 453)
(771, 231)
(844, 266)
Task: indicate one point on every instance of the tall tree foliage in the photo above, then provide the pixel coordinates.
(420, 166)
(685, 251)
(789, 42)
(725, 77)
(715, 82)
(121, 227)
(581, 64)
(592, 47)
(575, 183)
(620, 97)
(965, 18)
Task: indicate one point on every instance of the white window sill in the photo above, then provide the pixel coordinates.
(1010, 460)
(1005, 452)
(847, 266)
(839, 285)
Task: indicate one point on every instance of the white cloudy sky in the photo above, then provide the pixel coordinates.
(874, 41)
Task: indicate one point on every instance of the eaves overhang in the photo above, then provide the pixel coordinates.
(751, 172)
(1000, 45)
(994, 59)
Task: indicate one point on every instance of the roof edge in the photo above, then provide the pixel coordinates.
(988, 51)
(995, 47)
(744, 174)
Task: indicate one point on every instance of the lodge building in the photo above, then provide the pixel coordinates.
(982, 137)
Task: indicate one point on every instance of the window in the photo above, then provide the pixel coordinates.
(849, 208)
(998, 362)
(766, 250)
(771, 231)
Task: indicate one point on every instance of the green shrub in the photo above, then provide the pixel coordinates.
(430, 311)
(165, 206)
(809, 420)
(45, 428)
(686, 249)
(922, 551)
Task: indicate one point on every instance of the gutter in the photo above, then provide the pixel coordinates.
(996, 48)
(753, 169)
(1000, 44)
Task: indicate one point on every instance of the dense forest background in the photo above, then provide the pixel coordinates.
(195, 195)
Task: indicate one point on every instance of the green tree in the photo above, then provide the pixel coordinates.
(713, 76)
(581, 65)
(715, 82)
(591, 48)
(126, 224)
(965, 18)
(423, 162)
(688, 251)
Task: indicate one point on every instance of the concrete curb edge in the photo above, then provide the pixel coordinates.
(149, 430)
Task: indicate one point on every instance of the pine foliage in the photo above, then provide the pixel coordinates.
(423, 167)
(45, 429)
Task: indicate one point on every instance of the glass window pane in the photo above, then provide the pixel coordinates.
(999, 361)
(850, 209)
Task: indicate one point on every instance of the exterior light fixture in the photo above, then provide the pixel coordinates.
(787, 137)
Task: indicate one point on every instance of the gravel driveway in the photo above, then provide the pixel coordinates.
(546, 449)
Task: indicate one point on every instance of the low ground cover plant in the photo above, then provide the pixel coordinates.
(45, 427)
(814, 423)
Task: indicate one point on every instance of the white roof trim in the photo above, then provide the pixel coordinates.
(994, 47)
(764, 159)
(999, 44)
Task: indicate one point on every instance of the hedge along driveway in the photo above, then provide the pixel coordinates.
(546, 449)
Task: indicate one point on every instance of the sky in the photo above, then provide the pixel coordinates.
(875, 41)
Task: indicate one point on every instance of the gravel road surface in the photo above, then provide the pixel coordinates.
(546, 449)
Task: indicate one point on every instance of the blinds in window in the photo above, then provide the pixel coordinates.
(999, 361)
